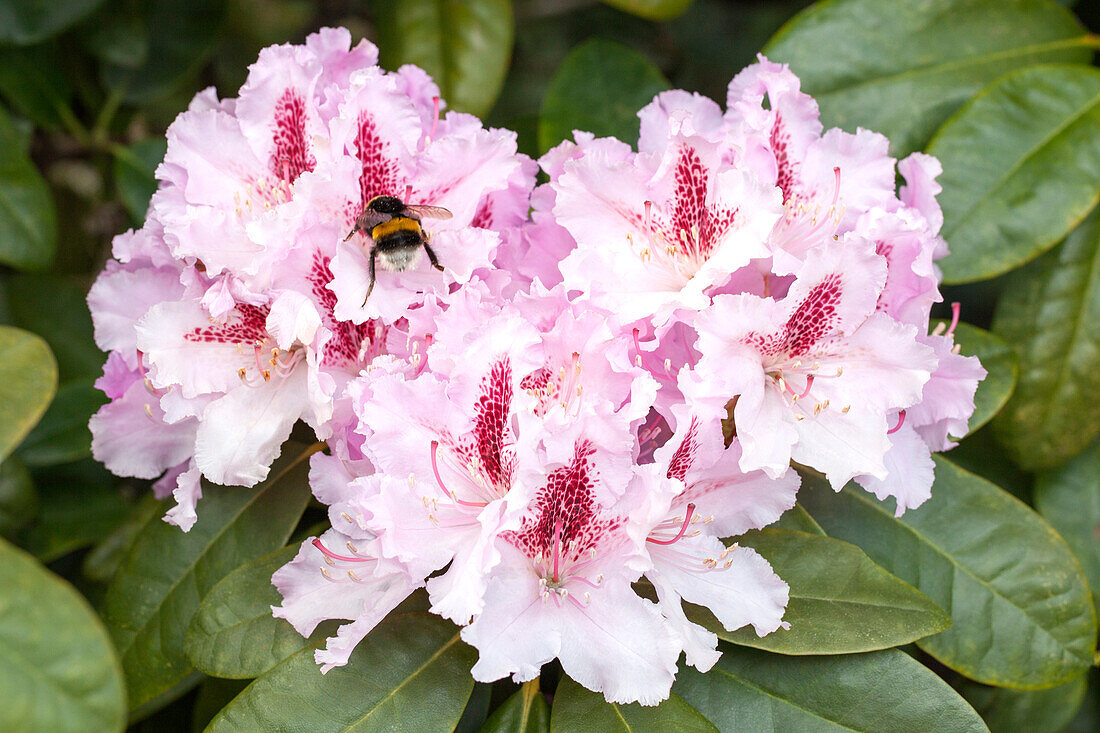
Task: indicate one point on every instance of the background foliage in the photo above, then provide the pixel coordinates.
(973, 611)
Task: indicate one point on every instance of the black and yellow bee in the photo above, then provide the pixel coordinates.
(396, 234)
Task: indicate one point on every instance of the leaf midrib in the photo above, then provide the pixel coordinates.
(776, 696)
(1023, 160)
(956, 64)
(966, 571)
(155, 611)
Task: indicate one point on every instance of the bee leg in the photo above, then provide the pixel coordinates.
(351, 234)
(370, 288)
(432, 258)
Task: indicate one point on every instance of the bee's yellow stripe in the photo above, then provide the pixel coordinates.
(394, 225)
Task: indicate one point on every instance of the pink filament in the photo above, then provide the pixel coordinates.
(809, 383)
(557, 547)
(435, 116)
(334, 556)
(683, 529)
(439, 480)
(901, 421)
(955, 308)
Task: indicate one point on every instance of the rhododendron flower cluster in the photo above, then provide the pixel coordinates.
(557, 434)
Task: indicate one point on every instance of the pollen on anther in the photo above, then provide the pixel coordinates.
(346, 517)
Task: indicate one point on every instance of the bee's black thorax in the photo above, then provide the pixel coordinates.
(386, 205)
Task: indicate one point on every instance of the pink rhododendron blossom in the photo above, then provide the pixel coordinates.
(560, 433)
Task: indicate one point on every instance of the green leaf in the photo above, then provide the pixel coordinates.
(847, 55)
(411, 673)
(28, 379)
(1069, 498)
(1051, 315)
(750, 690)
(980, 453)
(599, 88)
(1021, 166)
(1011, 711)
(651, 9)
(798, 519)
(214, 694)
(134, 167)
(80, 505)
(999, 360)
(578, 709)
(525, 711)
(233, 633)
(28, 222)
(1019, 604)
(30, 21)
(62, 435)
(58, 671)
(181, 34)
(18, 499)
(166, 572)
(1087, 719)
(55, 307)
(103, 560)
(841, 602)
(34, 83)
(465, 45)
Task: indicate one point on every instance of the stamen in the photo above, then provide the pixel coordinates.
(955, 309)
(809, 383)
(680, 534)
(439, 480)
(901, 421)
(557, 547)
(435, 118)
(329, 553)
(648, 214)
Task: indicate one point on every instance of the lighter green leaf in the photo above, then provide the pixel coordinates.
(411, 673)
(599, 88)
(1019, 604)
(651, 9)
(901, 68)
(166, 572)
(1050, 313)
(58, 672)
(578, 710)
(28, 221)
(465, 45)
(28, 380)
(751, 691)
(233, 633)
(1069, 498)
(525, 711)
(1021, 167)
(841, 602)
(1012, 711)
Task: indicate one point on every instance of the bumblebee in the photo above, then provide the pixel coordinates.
(396, 234)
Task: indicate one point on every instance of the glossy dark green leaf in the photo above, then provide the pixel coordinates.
(980, 453)
(30, 21)
(181, 34)
(58, 671)
(167, 572)
(1012, 711)
(1087, 719)
(847, 55)
(233, 633)
(578, 710)
(214, 694)
(751, 691)
(465, 45)
(55, 307)
(525, 711)
(1019, 604)
(28, 379)
(1002, 366)
(412, 672)
(103, 560)
(62, 435)
(28, 221)
(841, 602)
(599, 88)
(1051, 316)
(651, 9)
(1069, 498)
(798, 519)
(1021, 165)
(18, 499)
(134, 167)
(34, 82)
(80, 504)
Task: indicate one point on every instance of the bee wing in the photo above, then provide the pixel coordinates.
(428, 212)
